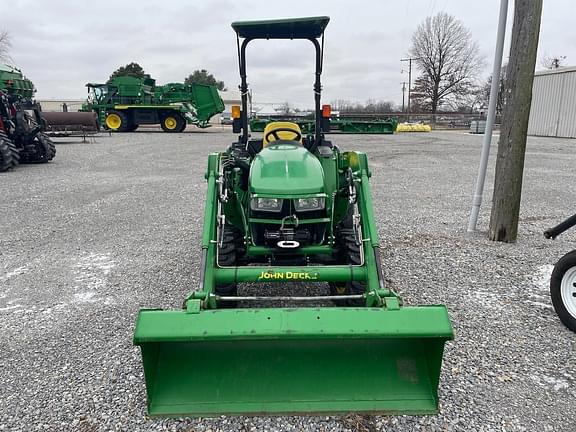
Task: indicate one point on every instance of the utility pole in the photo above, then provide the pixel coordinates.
(409, 60)
(403, 91)
(512, 143)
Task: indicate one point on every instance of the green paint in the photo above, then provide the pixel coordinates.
(343, 124)
(286, 169)
(313, 360)
(332, 273)
(13, 82)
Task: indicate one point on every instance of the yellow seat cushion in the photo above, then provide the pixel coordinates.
(283, 135)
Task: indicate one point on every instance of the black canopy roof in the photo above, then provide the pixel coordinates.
(290, 28)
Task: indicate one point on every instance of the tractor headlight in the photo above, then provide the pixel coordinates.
(266, 204)
(309, 204)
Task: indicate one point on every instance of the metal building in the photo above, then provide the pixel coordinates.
(553, 111)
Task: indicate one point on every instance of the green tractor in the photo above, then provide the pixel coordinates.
(290, 208)
(22, 137)
(125, 102)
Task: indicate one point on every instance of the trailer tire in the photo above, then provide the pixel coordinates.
(9, 155)
(563, 289)
(349, 254)
(117, 121)
(172, 122)
(227, 257)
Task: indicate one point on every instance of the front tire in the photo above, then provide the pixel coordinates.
(40, 150)
(563, 290)
(183, 127)
(228, 257)
(349, 254)
(173, 122)
(117, 121)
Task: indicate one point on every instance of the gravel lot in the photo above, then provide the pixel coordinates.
(114, 225)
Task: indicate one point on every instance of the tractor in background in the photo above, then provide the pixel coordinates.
(22, 137)
(126, 102)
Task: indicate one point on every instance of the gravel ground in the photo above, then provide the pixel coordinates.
(114, 225)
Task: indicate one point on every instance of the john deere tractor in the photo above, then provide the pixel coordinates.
(290, 208)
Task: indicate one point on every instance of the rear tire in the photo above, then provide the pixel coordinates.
(172, 122)
(563, 289)
(349, 254)
(40, 150)
(133, 127)
(9, 155)
(117, 121)
(228, 257)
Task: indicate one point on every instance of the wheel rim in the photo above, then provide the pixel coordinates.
(170, 123)
(113, 121)
(568, 291)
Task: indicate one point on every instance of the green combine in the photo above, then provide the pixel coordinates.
(126, 102)
(290, 208)
(342, 124)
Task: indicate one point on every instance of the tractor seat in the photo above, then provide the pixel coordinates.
(281, 131)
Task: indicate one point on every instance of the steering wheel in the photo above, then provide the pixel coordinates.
(274, 133)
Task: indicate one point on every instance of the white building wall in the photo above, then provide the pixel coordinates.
(553, 110)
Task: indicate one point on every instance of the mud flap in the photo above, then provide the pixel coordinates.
(280, 361)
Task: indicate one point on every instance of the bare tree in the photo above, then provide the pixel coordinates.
(485, 91)
(5, 45)
(447, 57)
(371, 106)
(552, 62)
(284, 108)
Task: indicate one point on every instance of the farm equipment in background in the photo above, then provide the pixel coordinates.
(125, 102)
(563, 279)
(65, 124)
(348, 125)
(22, 137)
(290, 208)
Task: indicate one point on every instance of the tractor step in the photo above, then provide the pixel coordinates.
(300, 360)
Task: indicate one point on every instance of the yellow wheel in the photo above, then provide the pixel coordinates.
(113, 121)
(170, 123)
(173, 122)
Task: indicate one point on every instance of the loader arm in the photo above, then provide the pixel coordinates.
(392, 354)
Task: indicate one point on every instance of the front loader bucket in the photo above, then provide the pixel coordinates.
(301, 360)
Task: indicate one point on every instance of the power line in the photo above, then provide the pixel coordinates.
(403, 91)
(409, 60)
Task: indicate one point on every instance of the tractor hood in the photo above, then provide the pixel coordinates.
(286, 169)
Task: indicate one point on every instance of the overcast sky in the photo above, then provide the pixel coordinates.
(61, 45)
